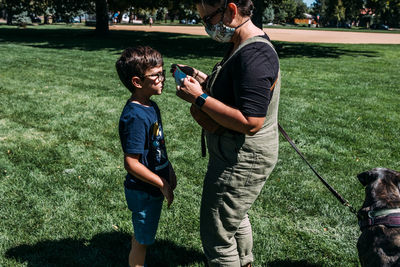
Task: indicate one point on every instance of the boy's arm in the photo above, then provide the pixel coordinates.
(140, 171)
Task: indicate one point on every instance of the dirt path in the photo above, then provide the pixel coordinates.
(288, 35)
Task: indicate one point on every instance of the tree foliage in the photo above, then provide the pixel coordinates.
(332, 12)
(340, 11)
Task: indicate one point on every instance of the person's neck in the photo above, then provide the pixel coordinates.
(245, 32)
(140, 99)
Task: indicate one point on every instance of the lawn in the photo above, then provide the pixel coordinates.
(61, 168)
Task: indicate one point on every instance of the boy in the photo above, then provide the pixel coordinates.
(150, 175)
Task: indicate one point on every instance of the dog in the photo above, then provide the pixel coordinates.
(379, 218)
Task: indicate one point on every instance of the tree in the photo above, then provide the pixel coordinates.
(161, 13)
(352, 9)
(259, 7)
(301, 8)
(66, 10)
(269, 14)
(102, 17)
(386, 11)
(14, 7)
(394, 14)
(280, 16)
(331, 11)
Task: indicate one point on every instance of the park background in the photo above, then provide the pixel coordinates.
(370, 14)
(61, 165)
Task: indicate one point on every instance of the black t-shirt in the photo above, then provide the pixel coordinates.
(245, 80)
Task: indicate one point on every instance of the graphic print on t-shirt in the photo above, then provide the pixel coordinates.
(157, 147)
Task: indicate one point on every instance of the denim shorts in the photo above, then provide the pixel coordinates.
(146, 211)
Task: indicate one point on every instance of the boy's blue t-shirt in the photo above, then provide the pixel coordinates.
(141, 132)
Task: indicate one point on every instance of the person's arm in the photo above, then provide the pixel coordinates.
(140, 171)
(223, 114)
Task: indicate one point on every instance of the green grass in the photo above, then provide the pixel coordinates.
(61, 169)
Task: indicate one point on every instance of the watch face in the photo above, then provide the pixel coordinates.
(200, 101)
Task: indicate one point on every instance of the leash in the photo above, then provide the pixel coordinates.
(331, 189)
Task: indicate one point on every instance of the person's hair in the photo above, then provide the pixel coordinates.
(135, 61)
(245, 7)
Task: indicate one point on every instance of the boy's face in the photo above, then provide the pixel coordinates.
(153, 80)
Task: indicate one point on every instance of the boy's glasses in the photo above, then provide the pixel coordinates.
(160, 76)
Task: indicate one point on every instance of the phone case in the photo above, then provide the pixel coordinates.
(179, 75)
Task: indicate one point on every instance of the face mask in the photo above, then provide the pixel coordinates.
(221, 33)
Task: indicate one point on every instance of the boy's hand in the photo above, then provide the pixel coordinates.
(172, 177)
(166, 190)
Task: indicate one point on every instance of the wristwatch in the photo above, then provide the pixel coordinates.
(200, 100)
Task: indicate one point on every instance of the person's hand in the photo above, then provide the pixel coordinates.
(186, 69)
(172, 177)
(189, 90)
(166, 190)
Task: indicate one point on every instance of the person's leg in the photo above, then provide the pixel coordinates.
(244, 240)
(221, 209)
(218, 242)
(233, 181)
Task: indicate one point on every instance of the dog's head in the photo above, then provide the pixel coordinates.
(382, 188)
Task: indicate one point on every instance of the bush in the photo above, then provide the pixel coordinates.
(23, 19)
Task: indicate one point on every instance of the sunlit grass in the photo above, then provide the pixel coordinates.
(61, 169)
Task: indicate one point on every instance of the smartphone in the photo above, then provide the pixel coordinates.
(179, 75)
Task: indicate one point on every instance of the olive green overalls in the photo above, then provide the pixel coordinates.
(237, 170)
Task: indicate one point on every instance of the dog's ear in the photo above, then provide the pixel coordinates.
(366, 177)
(397, 175)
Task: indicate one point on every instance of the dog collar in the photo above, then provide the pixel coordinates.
(382, 212)
(387, 217)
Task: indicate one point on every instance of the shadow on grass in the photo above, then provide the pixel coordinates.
(172, 45)
(286, 263)
(107, 249)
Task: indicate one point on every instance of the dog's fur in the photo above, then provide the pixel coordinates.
(379, 245)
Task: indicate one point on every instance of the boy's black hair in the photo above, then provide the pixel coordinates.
(135, 61)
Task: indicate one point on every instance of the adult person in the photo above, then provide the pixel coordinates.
(240, 96)
(115, 17)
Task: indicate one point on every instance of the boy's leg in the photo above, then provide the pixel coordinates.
(146, 210)
(137, 254)
(130, 259)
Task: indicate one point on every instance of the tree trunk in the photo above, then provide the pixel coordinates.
(9, 16)
(258, 13)
(101, 17)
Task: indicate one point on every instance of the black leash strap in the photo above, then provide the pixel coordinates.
(333, 191)
(203, 143)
